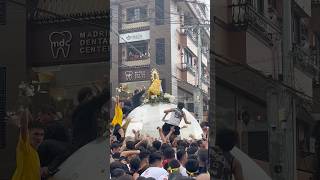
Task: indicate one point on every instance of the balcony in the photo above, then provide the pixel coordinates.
(188, 67)
(187, 73)
(144, 24)
(245, 17)
(205, 79)
(136, 57)
(192, 36)
(306, 61)
(136, 61)
(187, 40)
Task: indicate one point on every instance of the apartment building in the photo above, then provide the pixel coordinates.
(249, 32)
(159, 34)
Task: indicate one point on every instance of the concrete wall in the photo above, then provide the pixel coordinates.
(114, 44)
(13, 56)
(315, 18)
(259, 56)
(303, 82)
(161, 31)
(174, 47)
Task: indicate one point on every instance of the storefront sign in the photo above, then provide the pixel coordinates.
(134, 74)
(54, 44)
(60, 43)
(136, 36)
(93, 42)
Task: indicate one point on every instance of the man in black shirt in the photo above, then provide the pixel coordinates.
(53, 150)
(136, 98)
(84, 118)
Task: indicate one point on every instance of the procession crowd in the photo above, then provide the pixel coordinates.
(170, 157)
(145, 157)
(45, 142)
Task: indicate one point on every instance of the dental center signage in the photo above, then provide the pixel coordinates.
(79, 44)
(136, 36)
(89, 43)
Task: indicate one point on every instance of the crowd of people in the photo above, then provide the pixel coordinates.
(145, 157)
(169, 157)
(45, 142)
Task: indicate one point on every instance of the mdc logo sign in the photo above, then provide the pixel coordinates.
(60, 43)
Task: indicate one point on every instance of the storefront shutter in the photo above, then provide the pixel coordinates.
(3, 12)
(2, 107)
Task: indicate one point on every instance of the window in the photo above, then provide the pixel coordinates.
(273, 3)
(190, 107)
(188, 58)
(204, 71)
(2, 107)
(296, 30)
(303, 137)
(160, 51)
(137, 50)
(136, 14)
(159, 12)
(260, 6)
(3, 12)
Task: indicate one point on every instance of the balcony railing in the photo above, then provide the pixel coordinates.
(306, 60)
(142, 23)
(192, 36)
(138, 57)
(245, 16)
(188, 67)
(205, 79)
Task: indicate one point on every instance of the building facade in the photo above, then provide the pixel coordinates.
(64, 46)
(157, 34)
(249, 33)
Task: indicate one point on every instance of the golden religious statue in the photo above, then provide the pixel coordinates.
(155, 87)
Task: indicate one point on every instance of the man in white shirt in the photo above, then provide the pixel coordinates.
(177, 115)
(182, 157)
(155, 170)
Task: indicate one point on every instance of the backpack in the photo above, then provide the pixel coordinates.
(222, 165)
